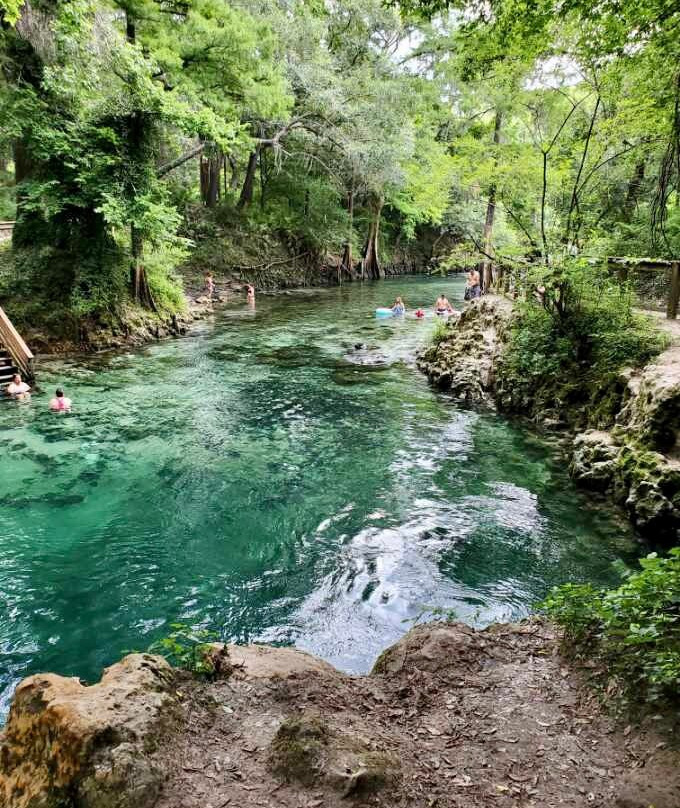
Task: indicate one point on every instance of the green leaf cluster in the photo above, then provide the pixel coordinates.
(634, 629)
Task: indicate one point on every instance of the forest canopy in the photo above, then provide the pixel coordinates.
(458, 132)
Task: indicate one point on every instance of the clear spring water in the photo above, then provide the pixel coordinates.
(253, 479)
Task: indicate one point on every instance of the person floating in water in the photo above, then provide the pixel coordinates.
(398, 307)
(209, 285)
(250, 294)
(60, 403)
(18, 388)
(442, 306)
(473, 288)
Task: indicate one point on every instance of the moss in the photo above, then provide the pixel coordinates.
(296, 753)
(380, 665)
(380, 771)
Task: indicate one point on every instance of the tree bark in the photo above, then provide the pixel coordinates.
(233, 182)
(210, 169)
(173, 164)
(139, 283)
(347, 262)
(370, 265)
(486, 276)
(249, 182)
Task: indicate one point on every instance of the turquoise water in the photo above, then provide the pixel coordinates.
(256, 479)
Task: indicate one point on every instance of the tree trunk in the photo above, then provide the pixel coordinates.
(347, 263)
(249, 182)
(138, 280)
(486, 276)
(233, 182)
(210, 168)
(634, 191)
(370, 265)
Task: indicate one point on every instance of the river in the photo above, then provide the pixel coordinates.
(255, 480)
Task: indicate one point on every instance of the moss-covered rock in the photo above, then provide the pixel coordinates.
(66, 744)
(463, 357)
(305, 750)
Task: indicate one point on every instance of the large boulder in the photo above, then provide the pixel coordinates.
(593, 461)
(67, 744)
(463, 359)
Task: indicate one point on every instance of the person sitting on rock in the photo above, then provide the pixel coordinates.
(18, 388)
(60, 403)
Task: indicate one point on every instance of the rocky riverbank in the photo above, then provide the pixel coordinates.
(635, 459)
(448, 717)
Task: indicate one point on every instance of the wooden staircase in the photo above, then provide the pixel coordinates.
(15, 355)
(7, 368)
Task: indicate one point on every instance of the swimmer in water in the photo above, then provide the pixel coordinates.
(442, 306)
(60, 403)
(18, 389)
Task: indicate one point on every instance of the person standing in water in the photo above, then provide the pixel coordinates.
(250, 297)
(209, 285)
(442, 306)
(398, 307)
(18, 388)
(60, 403)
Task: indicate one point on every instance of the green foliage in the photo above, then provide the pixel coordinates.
(186, 648)
(9, 9)
(164, 281)
(441, 331)
(633, 629)
(570, 341)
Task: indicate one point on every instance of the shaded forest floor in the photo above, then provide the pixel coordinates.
(452, 717)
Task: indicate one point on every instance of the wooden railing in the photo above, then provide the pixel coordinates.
(624, 266)
(12, 341)
(6, 229)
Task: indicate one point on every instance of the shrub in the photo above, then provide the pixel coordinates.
(186, 648)
(633, 629)
(571, 338)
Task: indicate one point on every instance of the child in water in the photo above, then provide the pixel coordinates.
(209, 285)
(60, 403)
(398, 307)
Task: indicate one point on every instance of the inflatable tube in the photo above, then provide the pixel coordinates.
(383, 312)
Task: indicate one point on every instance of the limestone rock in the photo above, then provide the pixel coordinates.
(434, 646)
(66, 743)
(463, 361)
(593, 461)
(652, 412)
(267, 662)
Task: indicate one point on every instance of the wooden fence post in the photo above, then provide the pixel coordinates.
(674, 291)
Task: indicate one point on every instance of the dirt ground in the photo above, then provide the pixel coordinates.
(452, 717)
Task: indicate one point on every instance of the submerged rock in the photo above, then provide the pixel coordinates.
(68, 744)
